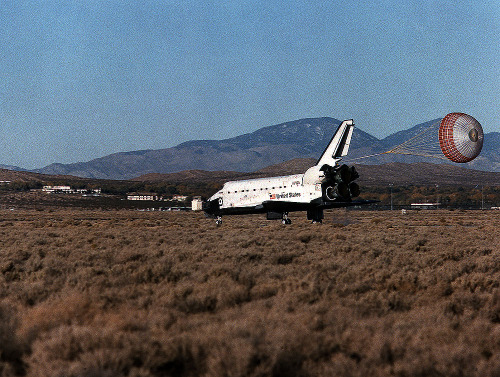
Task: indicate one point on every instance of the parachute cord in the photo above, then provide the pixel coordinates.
(433, 142)
(371, 155)
(420, 154)
(406, 146)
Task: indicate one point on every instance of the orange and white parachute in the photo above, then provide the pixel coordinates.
(458, 137)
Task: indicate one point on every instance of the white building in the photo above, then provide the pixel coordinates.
(57, 189)
(179, 198)
(197, 203)
(142, 196)
(69, 190)
(88, 191)
(425, 205)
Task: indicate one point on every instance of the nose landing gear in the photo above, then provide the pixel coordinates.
(285, 219)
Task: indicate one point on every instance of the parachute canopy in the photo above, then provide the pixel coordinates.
(458, 137)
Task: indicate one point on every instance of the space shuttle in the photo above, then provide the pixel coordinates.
(328, 184)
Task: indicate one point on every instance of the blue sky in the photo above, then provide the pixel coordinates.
(83, 79)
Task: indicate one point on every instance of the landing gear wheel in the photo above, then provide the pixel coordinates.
(318, 221)
(286, 220)
(218, 221)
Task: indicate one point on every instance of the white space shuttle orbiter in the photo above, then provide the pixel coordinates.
(324, 185)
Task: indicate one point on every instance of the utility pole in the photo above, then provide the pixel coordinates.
(482, 197)
(390, 185)
(437, 196)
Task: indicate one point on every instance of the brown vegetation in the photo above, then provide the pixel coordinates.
(123, 293)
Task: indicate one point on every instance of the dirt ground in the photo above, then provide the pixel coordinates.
(128, 293)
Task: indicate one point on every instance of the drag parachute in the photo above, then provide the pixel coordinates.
(458, 137)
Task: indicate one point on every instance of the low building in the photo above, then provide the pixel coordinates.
(96, 191)
(425, 205)
(57, 189)
(142, 196)
(179, 198)
(69, 190)
(197, 203)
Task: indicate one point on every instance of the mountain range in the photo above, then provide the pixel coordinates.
(304, 138)
(396, 173)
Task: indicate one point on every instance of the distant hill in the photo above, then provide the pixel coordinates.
(304, 138)
(399, 174)
(295, 166)
(249, 152)
(10, 167)
(195, 176)
(422, 173)
(22, 176)
(370, 175)
(489, 159)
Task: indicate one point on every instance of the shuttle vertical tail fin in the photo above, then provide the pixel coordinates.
(339, 144)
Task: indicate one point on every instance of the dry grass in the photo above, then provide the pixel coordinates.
(122, 293)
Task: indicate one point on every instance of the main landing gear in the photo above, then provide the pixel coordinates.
(218, 221)
(316, 215)
(286, 220)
